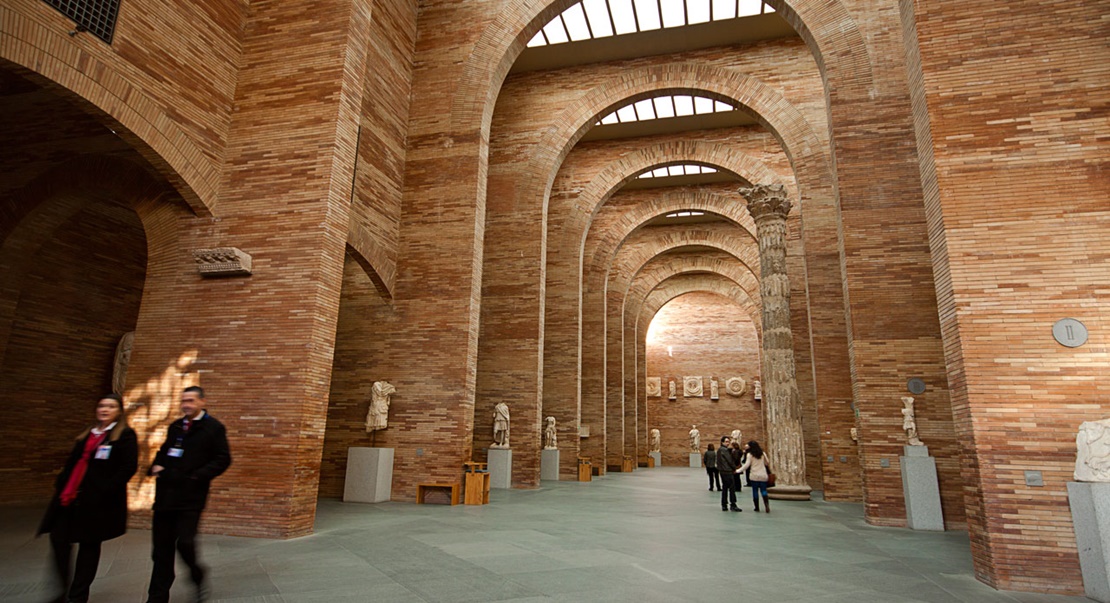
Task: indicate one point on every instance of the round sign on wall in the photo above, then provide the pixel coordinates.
(916, 386)
(1069, 332)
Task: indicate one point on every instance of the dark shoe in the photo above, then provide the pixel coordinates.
(737, 509)
(766, 505)
(725, 509)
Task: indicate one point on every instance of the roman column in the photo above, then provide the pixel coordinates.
(782, 406)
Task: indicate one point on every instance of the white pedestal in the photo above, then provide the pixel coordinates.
(500, 467)
(369, 475)
(1090, 516)
(549, 465)
(695, 460)
(658, 456)
(921, 489)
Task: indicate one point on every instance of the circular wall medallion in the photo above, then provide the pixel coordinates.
(1069, 332)
(735, 386)
(916, 386)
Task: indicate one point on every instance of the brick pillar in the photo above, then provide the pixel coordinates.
(781, 403)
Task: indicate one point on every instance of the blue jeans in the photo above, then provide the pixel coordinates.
(757, 487)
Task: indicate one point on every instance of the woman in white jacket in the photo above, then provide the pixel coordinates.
(759, 464)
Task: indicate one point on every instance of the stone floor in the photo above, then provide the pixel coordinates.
(653, 535)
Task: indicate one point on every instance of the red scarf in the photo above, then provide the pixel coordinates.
(69, 494)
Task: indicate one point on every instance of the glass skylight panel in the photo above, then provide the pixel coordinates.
(645, 110)
(626, 113)
(702, 105)
(624, 17)
(747, 8)
(603, 18)
(718, 106)
(697, 11)
(610, 119)
(683, 106)
(684, 169)
(555, 32)
(724, 9)
(647, 14)
(685, 214)
(537, 40)
(664, 107)
(597, 11)
(575, 21)
(674, 12)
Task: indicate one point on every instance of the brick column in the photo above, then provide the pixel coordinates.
(782, 405)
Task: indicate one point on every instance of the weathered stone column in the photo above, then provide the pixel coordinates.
(782, 406)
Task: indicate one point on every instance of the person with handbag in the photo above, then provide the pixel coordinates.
(759, 464)
(90, 499)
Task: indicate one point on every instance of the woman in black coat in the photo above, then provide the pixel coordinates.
(90, 498)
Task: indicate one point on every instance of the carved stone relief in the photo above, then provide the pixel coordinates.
(672, 393)
(714, 389)
(735, 386)
(654, 387)
(691, 387)
(1092, 459)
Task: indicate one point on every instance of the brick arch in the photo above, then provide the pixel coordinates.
(61, 193)
(610, 179)
(667, 265)
(602, 244)
(47, 57)
(631, 259)
(681, 284)
(825, 25)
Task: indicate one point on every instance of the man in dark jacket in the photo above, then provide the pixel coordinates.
(194, 453)
(726, 466)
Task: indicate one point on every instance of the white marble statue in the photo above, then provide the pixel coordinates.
(500, 425)
(378, 416)
(654, 443)
(855, 434)
(654, 387)
(695, 439)
(757, 388)
(909, 422)
(736, 436)
(714, 389)
(673, 392)
(123, 360)
(550, 436)
(1092, 459)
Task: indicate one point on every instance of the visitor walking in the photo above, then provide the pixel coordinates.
(710, 460)
(726, 467)
(759, 464)
(90, 499)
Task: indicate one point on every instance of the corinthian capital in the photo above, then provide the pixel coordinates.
(767, 200)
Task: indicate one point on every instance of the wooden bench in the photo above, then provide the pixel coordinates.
(422, 491)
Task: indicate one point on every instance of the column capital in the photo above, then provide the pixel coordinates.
(767, 200)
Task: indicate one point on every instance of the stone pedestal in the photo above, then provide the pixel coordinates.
(1090, 516)
(369, 475)
(500, 467)
(695, 460)
(658, 456)
(549, 465)
(921, 489)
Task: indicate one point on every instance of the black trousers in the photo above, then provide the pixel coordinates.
(170, 531)
(714, 477)
(88, 558)
(728, 489)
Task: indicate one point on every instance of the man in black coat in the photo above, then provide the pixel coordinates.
(194, 453)
(726, 466)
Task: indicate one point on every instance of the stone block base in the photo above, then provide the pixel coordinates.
(658, 457)
(921, 489)
(1090, 516)
(549, 465)
(695, 460)
(369, 475)
(500, 467)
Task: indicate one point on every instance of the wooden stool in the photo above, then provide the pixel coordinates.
(585, 469)
(476, 491)
(422, 490)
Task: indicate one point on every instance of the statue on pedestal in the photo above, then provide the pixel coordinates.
(909, 422)
(673, 391)
(1092, 459)
(378, 416)
(550, 437)
(757, 389)
(714, 389)
(500, 426)
(736, 436)
(695, 439)
(654, 442)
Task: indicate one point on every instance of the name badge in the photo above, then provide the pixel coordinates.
(103, 452)
(176, 452)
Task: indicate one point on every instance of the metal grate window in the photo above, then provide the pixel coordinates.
(98, 17)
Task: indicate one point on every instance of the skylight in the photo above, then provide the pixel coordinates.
(662, 107)
(677, 170)
(591, 19)
(684, 214)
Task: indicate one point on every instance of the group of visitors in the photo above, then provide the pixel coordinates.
(89, 505)
(733, 461)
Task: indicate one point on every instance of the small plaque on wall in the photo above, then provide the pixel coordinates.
(1069, 332)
